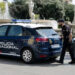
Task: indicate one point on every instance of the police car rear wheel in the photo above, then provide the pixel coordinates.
(27, 56)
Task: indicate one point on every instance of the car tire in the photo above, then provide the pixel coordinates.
(27, 56)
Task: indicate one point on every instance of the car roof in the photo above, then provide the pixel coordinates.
(27, 25)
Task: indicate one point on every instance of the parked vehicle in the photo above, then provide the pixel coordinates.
(29, 41)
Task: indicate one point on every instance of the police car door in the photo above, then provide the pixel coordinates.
(14, 41)
(3, 39)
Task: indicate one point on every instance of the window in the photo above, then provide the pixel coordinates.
(26, 33)
(15, 31)
(3, 30)
(46, 32)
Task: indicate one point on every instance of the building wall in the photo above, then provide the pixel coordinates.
(1, 0)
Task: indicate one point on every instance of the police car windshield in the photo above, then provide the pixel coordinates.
(46, 31)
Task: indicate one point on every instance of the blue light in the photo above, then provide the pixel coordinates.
(21, 21)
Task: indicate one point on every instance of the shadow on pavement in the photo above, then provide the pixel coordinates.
(7, 60)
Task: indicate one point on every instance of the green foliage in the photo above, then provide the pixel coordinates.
(2, 6)
(19, 9)
(53, 9)
(69, 12)
(50, 9)
(36, 16)
(46, 9)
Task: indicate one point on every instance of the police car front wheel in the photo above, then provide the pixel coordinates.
(27, 56)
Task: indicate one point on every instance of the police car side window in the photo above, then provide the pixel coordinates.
(15, 31)
(3, 30)
(26, 33)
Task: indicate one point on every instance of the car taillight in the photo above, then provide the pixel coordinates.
(41, 39)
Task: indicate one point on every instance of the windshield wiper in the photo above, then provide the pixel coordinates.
(54, 34)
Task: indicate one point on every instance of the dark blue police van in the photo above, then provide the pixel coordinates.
(29, 41)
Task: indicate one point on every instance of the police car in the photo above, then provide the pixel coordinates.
(29, 41)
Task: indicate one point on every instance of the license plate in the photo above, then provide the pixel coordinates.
(55, 46)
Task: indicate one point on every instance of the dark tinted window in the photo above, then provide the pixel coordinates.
(26, 33)
(15, 31)
(3, 30)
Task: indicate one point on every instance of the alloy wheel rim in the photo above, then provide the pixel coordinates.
(27, 56)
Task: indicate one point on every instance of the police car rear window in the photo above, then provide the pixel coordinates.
(46, 31)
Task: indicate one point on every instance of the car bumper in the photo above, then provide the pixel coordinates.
(47, 55)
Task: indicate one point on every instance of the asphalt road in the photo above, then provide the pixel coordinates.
(14, 66)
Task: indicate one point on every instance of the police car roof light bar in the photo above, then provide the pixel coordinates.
(21, 21)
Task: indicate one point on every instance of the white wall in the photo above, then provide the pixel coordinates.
(1, 0)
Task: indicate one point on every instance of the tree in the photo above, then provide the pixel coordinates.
(48, 9)
(44, 1)
(69, 12)
(2, 7)
(54, 9)
(45, 8)
(19, 9)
